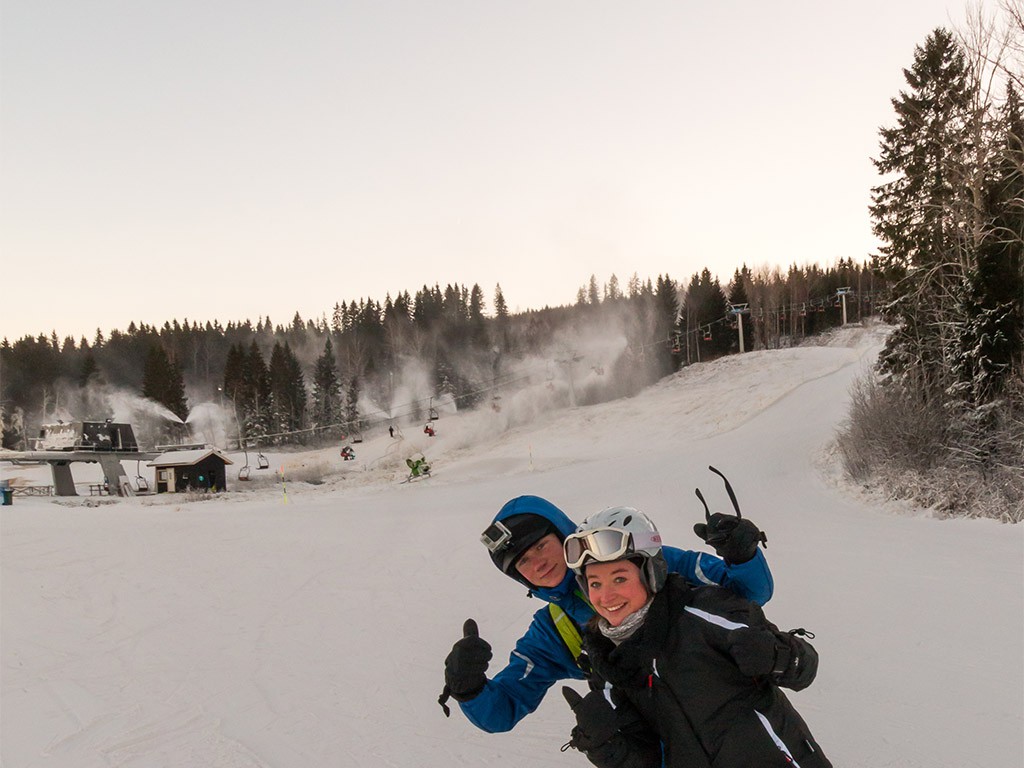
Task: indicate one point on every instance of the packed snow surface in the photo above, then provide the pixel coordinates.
(299, 623)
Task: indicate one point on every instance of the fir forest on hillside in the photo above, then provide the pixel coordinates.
(940, 420)
(303, 382)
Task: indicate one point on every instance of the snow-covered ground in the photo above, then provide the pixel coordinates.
(305, 624)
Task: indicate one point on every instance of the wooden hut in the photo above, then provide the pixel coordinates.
(201, 469)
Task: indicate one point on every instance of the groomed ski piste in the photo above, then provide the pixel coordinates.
(303, 623)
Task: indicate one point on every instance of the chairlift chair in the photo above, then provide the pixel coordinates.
(707, 335)
(141, 484)
(243, 473)
(262, 462)
(357, 437)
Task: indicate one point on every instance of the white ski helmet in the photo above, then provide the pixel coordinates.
(617, 533)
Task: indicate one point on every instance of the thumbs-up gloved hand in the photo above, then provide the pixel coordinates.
(596, 721)
(465, 669)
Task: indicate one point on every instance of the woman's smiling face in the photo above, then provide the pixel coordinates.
(616, 589)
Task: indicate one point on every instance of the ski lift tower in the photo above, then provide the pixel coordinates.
(568, 363)
(739, 310)
(841, 294)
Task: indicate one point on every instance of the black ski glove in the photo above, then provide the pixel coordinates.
(758, 652)
(465, 669)
(734, 539)
(596, 721)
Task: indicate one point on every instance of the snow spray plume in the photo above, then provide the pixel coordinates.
(99, 401)
(210, 423)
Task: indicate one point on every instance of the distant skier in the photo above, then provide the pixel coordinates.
(391, 431)
(428, 430)
(525, 543)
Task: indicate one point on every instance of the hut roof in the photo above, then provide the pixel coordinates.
(187, 458)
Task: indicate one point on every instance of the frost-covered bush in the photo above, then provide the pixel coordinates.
(957, 460)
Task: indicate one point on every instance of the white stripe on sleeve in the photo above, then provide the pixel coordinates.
(529, 664)
(710, 617)
(701, 575)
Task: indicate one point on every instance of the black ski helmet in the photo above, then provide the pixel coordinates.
(508, 538)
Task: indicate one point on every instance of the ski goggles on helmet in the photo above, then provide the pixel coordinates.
(604, 545)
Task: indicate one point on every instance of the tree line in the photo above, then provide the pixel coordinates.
(313, 379)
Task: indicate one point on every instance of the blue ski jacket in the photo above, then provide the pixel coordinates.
(541, 657)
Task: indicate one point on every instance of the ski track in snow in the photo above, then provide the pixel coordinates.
(309, 628)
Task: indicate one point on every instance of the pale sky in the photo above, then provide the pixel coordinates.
(230, 160)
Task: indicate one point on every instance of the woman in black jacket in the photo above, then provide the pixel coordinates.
(685, 677)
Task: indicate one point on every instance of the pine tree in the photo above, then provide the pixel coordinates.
(352, 420)
(89, 371)
(501, 322)
(612, 292)
(992, 335)
(287, 390)
(912, 213)
(705, 310)
(327, 408)
(477, 321)
(254, 400)
(500, 307)
(163, 382)
(234, 383)
(919, 214)
(666, 303)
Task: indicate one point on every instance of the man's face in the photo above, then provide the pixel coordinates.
(543, 564)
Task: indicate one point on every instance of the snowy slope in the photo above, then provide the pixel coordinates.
(306, 625)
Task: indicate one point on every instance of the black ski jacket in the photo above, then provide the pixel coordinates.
(675, 681)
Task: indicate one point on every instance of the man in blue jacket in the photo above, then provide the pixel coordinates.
(525, 543)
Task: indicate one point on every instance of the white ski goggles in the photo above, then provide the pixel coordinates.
(604, 545)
